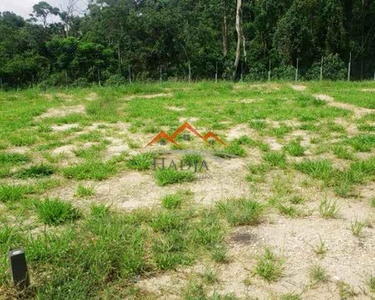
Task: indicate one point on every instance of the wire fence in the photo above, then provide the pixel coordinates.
(359, 70)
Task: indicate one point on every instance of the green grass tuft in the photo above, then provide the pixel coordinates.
(94, 170)
(13, 192)
(240, 212)
(36, 172)
(56, 212)
(141, 162)
(269, 267)
(171, 176)
(276, 159)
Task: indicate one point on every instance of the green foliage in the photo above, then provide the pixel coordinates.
(140, 162)
(94, 170)
(240, 212)
(269, 266)
(334, 68)
(171, 176)
(36, 172)
(56, 212)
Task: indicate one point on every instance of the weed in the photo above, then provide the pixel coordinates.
(241, 211)
(290, 296)
(192, 159)
(12, 193)
(372, 202)
(288, 210)
(56, 212)
(328, 209)
(94, 170)
(371, 284)
(99, 211)
(320, 169)
(321, 248)
(36, 172)
(276, 159)
(141, 162)
(297, 200)
(294, 148)
(345, 290)
(171, 176)
(342, 152)
(13, 158)
(233, 149)
(84, 191)
(269, 267)
(219, 254)
(174, 201)
(318, 274)
(356, 228)
(210, 276)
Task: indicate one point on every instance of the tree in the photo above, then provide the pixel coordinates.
(42, 10)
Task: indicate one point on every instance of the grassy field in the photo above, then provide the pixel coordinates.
(285, 211)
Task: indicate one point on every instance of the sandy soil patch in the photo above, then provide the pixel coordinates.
(261, 86)
(147, 96)
(63, 111)
(241, 130)
(274, 144)
(64, 127)
(368, 90)
(20, 150)
(175, 108)
(358, 111)
(190, 120)
(92, 96)
(67, 149)
(299, 88)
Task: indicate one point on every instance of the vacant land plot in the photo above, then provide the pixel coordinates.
(285, 211)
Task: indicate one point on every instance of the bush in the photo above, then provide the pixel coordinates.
(81, 82)
(334, 68)
(284, 73)
(116, 80)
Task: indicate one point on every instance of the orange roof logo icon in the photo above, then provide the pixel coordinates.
(186, 126)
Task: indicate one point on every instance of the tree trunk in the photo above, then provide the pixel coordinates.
(225, 30)
(239, 36)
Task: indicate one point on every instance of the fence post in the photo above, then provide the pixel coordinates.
(66, 78)
(321, 69)
(241, 72)
(374, 75)
(161, 74)
(269, 70)
(297, 69)
(1, 83)
(99, 81)
(18, 268)
(130, 73)
(350, 65)
(189, 71)
(216, 74)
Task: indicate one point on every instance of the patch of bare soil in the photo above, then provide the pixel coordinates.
(274, 144)
(20, 150)
(350, 127)
(261, 86)
(299, 88)
(147, 96)
(63, 111)
(175, 108)
(368, 90)
(190, 120)
(241, 130)
(64, 127)
(92, 97)
(67, 149)
(358, 111)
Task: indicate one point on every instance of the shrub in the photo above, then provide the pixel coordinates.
(116, 80)
(334, 68)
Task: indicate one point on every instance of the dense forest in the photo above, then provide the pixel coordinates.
(117, 41)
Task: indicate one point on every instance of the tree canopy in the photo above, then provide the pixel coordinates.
(153, 39)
